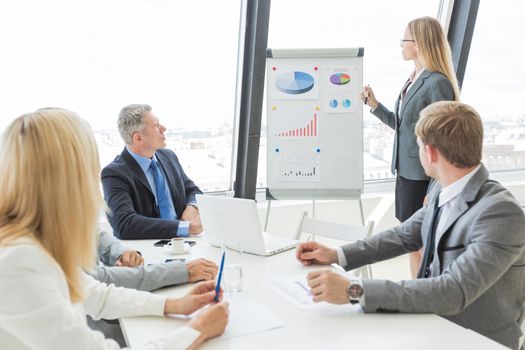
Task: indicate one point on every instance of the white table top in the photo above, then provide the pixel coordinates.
(318, 328)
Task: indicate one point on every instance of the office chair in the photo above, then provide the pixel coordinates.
(343, 232)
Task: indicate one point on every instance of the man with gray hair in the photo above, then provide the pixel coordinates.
(145, 187)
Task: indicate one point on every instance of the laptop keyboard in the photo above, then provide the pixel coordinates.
(274, 242)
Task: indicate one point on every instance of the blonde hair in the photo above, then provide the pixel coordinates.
(455, 129)
(433, 48)
(50, 190)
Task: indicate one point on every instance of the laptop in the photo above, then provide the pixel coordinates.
(235, 217)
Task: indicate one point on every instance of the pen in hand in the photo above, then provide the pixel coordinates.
(366, 95)
(218, 286)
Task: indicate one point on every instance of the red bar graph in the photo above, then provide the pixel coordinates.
(309, 130)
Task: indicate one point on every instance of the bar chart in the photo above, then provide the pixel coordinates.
(305, 130)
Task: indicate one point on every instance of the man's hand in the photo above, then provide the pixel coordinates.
(195, 226)
(202, 294)
(328, 286)
(130, 258)
(201, 269)
(309, 253)
(189, 213)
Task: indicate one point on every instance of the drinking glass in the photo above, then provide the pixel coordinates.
(232, 271)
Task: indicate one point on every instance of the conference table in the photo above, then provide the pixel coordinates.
(287, 326)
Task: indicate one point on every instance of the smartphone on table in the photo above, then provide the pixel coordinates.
(163, 242)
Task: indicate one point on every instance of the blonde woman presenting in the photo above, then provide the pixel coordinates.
(50, 203)
(432, 79)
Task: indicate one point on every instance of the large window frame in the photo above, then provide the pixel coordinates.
(444, 13)
(94, 57)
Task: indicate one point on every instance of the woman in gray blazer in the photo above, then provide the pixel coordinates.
(433, 79)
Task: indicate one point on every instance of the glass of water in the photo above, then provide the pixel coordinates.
(232, 271)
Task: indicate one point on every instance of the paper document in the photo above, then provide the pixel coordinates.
(247, 317)
(295, 290)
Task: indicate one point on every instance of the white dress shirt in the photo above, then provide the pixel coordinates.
(36, 311)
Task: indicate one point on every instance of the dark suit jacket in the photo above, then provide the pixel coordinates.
(430, 87)
(477, 277)
(134, 213)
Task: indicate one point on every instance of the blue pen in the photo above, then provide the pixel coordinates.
(218, 286)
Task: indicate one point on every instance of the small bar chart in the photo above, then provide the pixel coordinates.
(308, 130)
(299, 165)
(299, 170)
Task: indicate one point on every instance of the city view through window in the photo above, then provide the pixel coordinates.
(94, 57)
(494, 82)
(181, 58)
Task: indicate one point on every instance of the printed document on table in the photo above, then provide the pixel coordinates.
(295, 290)
(242, 320)
(246, 317)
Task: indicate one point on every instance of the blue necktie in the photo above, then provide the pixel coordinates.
(165, 208)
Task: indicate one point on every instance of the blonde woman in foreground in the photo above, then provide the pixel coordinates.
(49, 206)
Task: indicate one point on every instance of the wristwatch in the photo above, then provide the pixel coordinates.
(355, 291)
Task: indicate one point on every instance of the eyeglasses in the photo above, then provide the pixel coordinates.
(402, 41)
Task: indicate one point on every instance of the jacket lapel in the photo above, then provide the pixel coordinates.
(467, 196)
(456, 212)
(137, 170)
(412, 91)
(396, 110)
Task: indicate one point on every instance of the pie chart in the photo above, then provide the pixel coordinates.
(294, 83)
(340, 78)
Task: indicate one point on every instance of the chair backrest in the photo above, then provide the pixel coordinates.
(333, 230)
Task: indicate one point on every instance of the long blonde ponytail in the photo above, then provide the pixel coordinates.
(433, 48)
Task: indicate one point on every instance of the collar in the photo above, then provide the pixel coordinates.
(143, 162)
(418, 75)
(451, 191)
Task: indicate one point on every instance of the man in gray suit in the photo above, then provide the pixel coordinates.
(123, 267)
(126, 268)
(472, 232)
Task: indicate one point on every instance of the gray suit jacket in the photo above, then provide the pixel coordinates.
(150, 277)
(430, 87)
(477, 278)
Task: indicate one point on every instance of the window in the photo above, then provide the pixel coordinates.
(94, 57)
(494, 82)
(375, 25)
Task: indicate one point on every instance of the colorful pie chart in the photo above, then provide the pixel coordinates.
(294, 83)
(340, 78)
